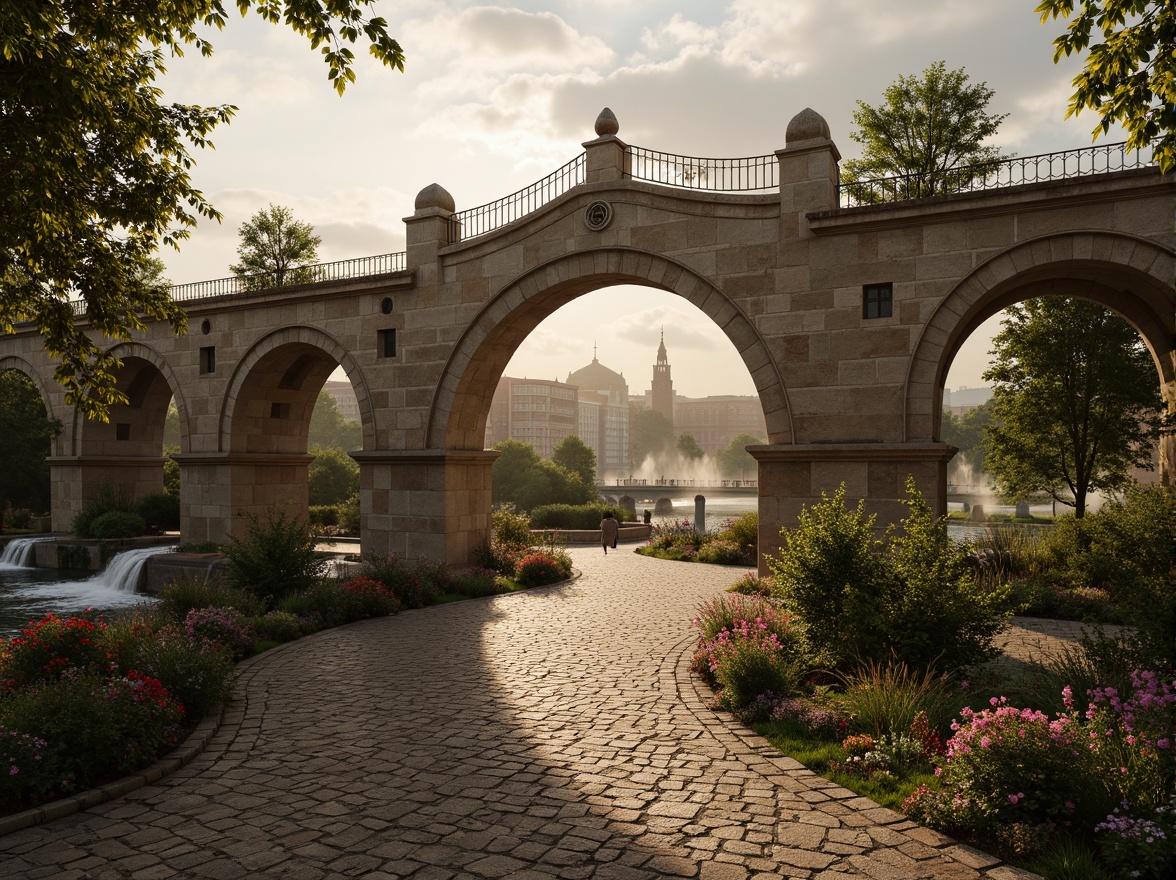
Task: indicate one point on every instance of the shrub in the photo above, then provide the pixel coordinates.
(182, 595)
(720, 551)
(219, 627)
(751, 584)
(323, 515)
(276, 626)
(109, 498)
(475, 582)
(366, 598)
(415, 585)
(117, 524)
(511, 530)
(160, 510)
(18, 518)
(540, 569)
(1138, 846)
(573, 516)
(913, 598)
(275, 558)
(199, 676)
(349, 514)
(94, 728)
(743, 530)
(25, 775)
(50, 647)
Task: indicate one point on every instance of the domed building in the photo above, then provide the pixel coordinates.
(603, 422)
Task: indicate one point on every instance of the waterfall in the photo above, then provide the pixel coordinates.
(18, 553)
(122, 572)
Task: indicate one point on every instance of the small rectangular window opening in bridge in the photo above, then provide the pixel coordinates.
(279, 410)
(122, 431)
(878, 300)
(386, 343)
(207, 360)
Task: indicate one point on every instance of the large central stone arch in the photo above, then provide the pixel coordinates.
(1130, 275)
(457, 416)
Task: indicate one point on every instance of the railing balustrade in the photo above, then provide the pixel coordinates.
(993, 175)
(750, 174)
(494, 215)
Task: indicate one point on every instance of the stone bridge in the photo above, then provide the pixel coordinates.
(847, 319)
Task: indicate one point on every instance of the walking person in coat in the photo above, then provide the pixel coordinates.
(608, 532)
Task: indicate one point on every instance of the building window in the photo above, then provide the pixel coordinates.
(122, 431)
(207, 360)
(386, 343)
(878, 300)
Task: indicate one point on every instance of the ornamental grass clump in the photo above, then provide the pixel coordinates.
(886, 698)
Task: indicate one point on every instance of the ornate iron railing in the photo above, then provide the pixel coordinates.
(340, 270)
(750, 174)
(993, 175)
(494, 215)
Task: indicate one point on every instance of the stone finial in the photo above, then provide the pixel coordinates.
(807, 125)
(434, 196)
(606, 123)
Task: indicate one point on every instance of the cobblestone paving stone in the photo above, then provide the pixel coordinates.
(548, 734)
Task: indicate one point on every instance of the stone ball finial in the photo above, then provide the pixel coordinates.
(606, 123)
(434, 196)
(807, 125)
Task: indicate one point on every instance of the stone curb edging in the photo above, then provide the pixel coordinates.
(752, 748)
(178, 757)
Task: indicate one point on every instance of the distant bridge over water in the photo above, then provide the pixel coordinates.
(661, 487)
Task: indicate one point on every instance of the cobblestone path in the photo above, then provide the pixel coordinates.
(552, 733)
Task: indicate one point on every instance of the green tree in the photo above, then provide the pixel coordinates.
(276, 249)
(28, 433)
(1130, 75)
(328, 428)
(1076, 401)
(689, 448)
(333, 476)
(650, 434)
(520, 477)
(735, 462)
(96, 169)
(930, 130)
(575, 457)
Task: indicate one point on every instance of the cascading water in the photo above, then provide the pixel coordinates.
(123, 571)
(18, 553)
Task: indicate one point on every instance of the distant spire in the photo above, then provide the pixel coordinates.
(661, 349)
(594, 350)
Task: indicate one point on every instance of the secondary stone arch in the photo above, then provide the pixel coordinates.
(289, 351)
(457, 416)
(20, 365)
(134, 388)
(1128, 274)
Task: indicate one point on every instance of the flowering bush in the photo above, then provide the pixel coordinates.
(368, 598)
(50, 646)
(1006, 765)
(25, 775)
(198, 675)
(540, 568)
(747, 647)
(414, 584)
(751, 584)
(219, 626)
(1140, 846)
(93, 728)
(1133, 739)
(819, 720)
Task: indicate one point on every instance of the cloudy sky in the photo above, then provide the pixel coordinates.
(494, 97)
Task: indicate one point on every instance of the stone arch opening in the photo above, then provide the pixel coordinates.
(461, 403)
(1127, 275)
(28, 450)
(128, 450)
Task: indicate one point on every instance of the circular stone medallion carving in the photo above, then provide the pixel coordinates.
(598, 215)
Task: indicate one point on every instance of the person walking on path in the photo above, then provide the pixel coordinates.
(608, 532)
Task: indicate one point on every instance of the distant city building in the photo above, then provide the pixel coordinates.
(345, 400)
(662, 390)
(963, 399)
(715, 421)
(604, 416)
(540, 412)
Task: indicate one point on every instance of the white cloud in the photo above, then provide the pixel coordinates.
(693, 332)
